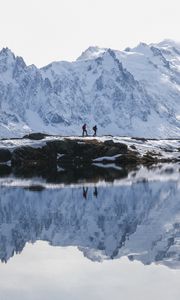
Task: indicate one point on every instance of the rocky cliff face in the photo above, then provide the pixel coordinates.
(132, 92)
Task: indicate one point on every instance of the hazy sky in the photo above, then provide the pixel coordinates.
(46, 30)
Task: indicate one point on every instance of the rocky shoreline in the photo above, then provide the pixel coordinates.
(45, 153)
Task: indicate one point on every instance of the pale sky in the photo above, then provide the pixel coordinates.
(43, 31)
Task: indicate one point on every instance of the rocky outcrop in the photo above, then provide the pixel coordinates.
(71, 154)
(30, 156)
(5, 155)
(35, 136)
(67, 151)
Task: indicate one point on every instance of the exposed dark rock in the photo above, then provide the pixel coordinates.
(168, 150)
(123, 148)
(5, 170)
(5, 155)
(112, 151)
(115, 148)
(148, 158)
(139, 139)
(133, 147)
(73, 154)
(109, 143)
(128, 159)
(35, 136)
(29, 159)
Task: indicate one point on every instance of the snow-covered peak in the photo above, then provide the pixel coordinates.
(168, 43)
(134, 92)
(8, 60)
(6, 52)
(141, 47)
(91, 53)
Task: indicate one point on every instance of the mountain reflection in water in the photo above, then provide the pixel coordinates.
(139, 217)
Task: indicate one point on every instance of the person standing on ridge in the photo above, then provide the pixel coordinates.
(84, 129)
(95, 130)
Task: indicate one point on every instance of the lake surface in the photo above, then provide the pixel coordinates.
(91, 239)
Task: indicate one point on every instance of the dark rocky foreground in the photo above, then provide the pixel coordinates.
(73, 157)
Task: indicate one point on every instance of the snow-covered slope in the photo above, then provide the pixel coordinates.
(133, 92)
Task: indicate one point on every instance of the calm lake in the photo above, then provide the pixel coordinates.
(91, 239)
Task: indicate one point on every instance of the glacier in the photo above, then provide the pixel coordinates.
(134, 92)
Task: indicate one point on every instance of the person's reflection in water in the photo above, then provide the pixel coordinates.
(85, 191)
(95, 192)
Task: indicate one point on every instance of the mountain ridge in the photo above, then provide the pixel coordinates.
(134, 92)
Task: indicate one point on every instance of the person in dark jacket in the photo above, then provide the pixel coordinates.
(84, 129)
(95, 130)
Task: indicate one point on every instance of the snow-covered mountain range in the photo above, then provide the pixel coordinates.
(133, 92)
